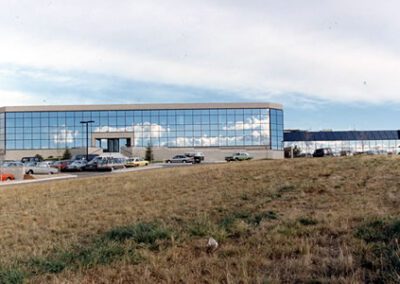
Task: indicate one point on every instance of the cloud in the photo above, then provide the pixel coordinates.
(11, 98)
(259, 50)
(65, 136)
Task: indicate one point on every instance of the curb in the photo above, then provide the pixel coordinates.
(36, 180)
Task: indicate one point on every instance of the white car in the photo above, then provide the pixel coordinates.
(40, 168)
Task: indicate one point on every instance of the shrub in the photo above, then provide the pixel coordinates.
(66, 155)
(382, 236)
(39, 157)
(142, 233)
(38, 266)
(149, 153)
(201, 227)
(11, 276)
(306, 221)
(99, 253)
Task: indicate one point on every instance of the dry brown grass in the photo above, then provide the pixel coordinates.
(276, 221)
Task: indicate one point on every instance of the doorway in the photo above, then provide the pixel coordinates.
(112, 145)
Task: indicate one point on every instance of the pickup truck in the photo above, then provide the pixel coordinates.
(240, 156)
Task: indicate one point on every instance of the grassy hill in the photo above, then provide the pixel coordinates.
(306, 220)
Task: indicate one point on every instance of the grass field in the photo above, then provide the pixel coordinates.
(306, 220)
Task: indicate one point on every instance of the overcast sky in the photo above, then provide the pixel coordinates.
(333, 64)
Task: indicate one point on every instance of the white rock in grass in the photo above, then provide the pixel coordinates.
(212, 245)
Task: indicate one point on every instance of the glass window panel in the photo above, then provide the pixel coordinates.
(163, 120)
(121, 113)
(27, 122)
(112, 121)
(44, 144)
(197, 119)
(27, 144)
(19, 122)
(103, 114)
(146, 119)
(121, 121)
(10, 122)
(188, 119)
(155, 119)
(205, 119)
(10, 131)
(188, 112)
(36, 144)
(44, 121)
(129, 121)
(171, 120)
(213, 119)
(180, 119)
(10, 136)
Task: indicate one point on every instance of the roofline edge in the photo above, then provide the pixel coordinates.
(102, 107)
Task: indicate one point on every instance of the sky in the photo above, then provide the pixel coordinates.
(333, 64)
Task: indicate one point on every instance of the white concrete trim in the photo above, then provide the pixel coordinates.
(139, 107)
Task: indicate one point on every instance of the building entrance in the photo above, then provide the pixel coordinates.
(112, 145)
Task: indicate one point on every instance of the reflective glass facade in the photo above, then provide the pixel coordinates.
(162, 128)
(2, 132)
(353, 141)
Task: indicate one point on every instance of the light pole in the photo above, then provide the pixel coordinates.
(86, 122)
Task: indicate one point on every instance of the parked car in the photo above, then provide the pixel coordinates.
(12, 164)
(198, 157)
(40, 168)
(83, 157)
(345, 153)
(136, 162)
(78, 165)
(105, 164)
(181, 159)
(111, 164)
(240, 156)
(61, 165)
(323, 152)
(6, 177)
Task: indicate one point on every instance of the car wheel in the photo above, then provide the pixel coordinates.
(30, 172)
(184, 161)
(8, 179)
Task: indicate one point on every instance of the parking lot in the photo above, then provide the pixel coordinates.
(40, 178)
